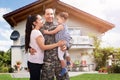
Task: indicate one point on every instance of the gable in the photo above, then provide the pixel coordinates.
(38, 7)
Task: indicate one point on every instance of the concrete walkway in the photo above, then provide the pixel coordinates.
(24, 74)
(78, 73)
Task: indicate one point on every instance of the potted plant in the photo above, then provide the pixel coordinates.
(103, 70)
(18, 64)
(100, 70)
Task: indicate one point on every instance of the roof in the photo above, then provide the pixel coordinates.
(14, 17)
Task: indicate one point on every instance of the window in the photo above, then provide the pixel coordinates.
(75, 31)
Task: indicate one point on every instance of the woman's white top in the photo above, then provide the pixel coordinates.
(39, 54)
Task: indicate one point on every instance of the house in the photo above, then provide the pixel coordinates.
(81, 25)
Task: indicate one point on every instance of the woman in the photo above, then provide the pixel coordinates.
(35, 39)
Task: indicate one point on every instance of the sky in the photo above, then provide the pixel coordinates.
(108, 10)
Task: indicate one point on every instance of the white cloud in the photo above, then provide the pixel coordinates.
(5, 42)
(2, 12)
(94, 7)
(5, 45)
(113, 4)
(4, 48)
(111, 39)
(5, 33)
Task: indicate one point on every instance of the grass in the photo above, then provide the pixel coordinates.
(97, 77)
(80, 77)
(8, 77)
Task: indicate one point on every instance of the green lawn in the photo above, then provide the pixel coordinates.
(80, 77)
(8, 77)
(97, 77)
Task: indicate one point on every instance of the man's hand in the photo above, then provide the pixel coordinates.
(32, 51)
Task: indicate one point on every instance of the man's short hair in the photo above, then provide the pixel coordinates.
(49, 8)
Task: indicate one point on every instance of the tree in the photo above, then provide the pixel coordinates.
(5, 60)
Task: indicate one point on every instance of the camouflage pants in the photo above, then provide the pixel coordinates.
(50, 71)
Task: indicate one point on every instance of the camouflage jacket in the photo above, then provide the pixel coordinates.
(49, 55)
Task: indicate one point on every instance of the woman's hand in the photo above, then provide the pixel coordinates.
(32, 51)
(61, 43)
(63, 48)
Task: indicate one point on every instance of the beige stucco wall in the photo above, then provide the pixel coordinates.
(17, 52)
(16, 55)
(21, 29)
(86, 29)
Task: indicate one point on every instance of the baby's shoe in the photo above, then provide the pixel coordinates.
(64, 70)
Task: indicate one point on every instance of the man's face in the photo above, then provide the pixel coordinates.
(49, 15)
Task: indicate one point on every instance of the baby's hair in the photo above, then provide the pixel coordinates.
(65, 15)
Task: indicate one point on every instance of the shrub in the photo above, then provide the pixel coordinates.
(3, 69)
(11, 70)
(116, 68)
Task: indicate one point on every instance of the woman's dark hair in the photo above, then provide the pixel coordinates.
(28, 29)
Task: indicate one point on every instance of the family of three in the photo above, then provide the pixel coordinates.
(47, 45)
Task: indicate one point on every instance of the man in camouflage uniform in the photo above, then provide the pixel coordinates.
(52, 66)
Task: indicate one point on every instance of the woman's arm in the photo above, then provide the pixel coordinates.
(57, 29)
(40, 42)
